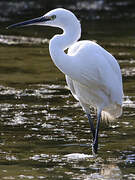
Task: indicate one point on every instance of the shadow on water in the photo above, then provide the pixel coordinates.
(44, 132)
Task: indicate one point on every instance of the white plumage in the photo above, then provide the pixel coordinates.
(101, 84)
(92, 74)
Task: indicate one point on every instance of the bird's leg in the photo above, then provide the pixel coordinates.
(91, 126)
(95, 142)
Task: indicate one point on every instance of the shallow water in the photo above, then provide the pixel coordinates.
(44, 132)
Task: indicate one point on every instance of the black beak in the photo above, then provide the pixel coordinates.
(30, 22)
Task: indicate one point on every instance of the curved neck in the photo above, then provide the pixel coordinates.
(59, 43)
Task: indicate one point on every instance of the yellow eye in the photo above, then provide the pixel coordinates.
(53, 17)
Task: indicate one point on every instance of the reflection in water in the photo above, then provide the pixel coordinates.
(77, 156)
(111, 171)
(108, 172)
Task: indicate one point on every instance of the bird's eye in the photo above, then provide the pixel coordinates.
(53, 17)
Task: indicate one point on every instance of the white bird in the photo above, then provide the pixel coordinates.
(92, 74)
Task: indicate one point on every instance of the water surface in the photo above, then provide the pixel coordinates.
(44, 132)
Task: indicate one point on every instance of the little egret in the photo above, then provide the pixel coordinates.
(92, 74)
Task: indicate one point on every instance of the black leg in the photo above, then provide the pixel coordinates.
(95, 142)
(91, 126)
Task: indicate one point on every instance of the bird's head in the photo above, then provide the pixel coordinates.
(57, 18)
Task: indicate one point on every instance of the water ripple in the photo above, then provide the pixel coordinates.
(14, 40)
(44, 127)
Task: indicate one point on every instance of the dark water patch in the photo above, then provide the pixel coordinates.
(26, 64)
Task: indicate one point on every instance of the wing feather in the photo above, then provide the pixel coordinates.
(96, 68)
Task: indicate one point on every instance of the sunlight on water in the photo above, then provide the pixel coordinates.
(44, 132)
(56, 137)
(14, 40)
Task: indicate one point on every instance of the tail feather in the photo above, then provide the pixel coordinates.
(109, 114)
